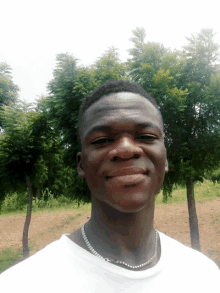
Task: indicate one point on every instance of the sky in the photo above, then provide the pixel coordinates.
(34, 32)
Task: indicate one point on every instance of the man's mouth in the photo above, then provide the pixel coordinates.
(127, 176)
(127, 171)
(108, 177)
(127, 179)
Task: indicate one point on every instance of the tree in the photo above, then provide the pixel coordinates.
(109, 67)
(201, 116)
(59, 176)
(8, 90)
(69, 86)
(202, 47)
(52, 158)
(146, 59)
(22, 151)
(185, 84)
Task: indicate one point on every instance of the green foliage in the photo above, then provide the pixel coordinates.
(64, 201)
(67, 90)
(14, 202)
(50, 166)
(146, 59)
(46, 201)
(26, 145)
(8, 257)
(17, 148)
(17, 203)
(215, 177)
(138, 40)
(109, 67)
(8, 90)
(202, 47)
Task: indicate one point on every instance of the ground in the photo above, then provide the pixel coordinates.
(170, 219)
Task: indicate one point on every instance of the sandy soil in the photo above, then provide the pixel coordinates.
(171, 220)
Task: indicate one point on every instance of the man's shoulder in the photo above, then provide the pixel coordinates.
(44, 256)
(49, 265)
(180, 252)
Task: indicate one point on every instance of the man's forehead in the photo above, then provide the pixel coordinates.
(121, 101)
(122, 108)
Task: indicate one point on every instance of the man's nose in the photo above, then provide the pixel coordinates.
(126, 148)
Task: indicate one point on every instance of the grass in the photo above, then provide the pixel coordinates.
(8, 257)
(51, 206)
(205, 190)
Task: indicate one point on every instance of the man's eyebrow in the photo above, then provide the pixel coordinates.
(106, 127)
(148, 124)
(99, 128)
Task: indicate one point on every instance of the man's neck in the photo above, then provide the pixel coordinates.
(129, 237)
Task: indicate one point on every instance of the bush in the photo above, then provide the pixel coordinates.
(216, 177)
(14, 202)
(51, 202)
(64, 201)
(19, 202)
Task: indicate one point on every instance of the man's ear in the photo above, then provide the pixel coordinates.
(166, 163)
(80, 165)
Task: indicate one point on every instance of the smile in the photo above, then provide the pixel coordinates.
(127, 171)
(127, 179)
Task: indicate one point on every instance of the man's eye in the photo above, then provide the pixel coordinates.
(147, 137)
(101, 141)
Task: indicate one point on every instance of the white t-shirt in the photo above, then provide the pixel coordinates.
(63, 266)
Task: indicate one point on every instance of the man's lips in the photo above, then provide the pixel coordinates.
(127, 171)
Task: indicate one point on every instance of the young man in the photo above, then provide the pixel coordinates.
(124, 161)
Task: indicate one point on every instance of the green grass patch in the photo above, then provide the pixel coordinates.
(73, 208)
(205, 190)
(10, 256)
(51, 206)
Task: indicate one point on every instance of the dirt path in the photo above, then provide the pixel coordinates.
(171, 220)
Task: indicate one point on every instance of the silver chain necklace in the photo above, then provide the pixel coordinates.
(116, 261)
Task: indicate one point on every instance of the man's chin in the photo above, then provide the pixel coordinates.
(129, 203)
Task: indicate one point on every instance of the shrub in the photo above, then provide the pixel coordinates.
(64, 201)
(43, 203)
(14, 202)
(216, 176)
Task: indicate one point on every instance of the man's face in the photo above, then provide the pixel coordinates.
(123, 139)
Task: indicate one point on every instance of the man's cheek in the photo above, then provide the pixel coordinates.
(92, 177)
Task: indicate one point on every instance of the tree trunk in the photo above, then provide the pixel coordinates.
(38, 194)
(193, 221)
(27, 220)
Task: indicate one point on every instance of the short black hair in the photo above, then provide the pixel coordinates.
(110, 87)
